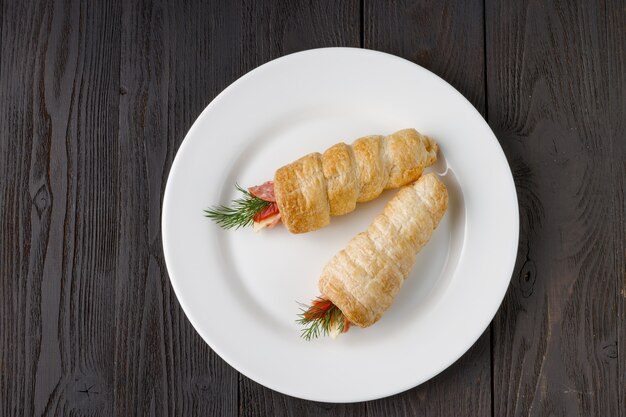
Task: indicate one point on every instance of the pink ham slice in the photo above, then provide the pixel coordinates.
(264, 191)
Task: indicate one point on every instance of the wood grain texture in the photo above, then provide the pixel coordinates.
(616, 68)
(58, 87)
(446, 38)
(175, 57)
(556, 102)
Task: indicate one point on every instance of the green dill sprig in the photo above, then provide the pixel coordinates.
(320, 318)
(240, 213)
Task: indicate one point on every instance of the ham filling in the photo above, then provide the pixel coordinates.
(269, 216)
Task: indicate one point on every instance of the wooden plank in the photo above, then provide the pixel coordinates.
(58, 212)
(556, 102)
(176, 56)
(270, 29)
(257, 400)
(446, 38)
(616, 47)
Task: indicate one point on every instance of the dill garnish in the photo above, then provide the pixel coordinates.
(241, 212)
(321, 318)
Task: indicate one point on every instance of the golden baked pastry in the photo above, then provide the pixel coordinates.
(361, 281)
(305, 193)
(317, 186)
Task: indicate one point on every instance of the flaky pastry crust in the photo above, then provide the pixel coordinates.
(317, 186)
(363, 279)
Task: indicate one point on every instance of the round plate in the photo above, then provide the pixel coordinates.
(240, 289)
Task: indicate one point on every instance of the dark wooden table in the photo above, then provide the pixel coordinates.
(96, 97)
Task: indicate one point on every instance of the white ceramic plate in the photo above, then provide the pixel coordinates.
(239, 288)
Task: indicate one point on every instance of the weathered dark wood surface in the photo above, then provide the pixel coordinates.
(556, 96)
(95, 98)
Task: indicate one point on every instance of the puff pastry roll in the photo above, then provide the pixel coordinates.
(317, 186)
(307, 192)
(360, 282)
